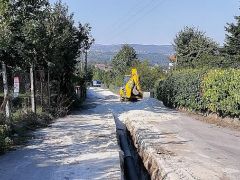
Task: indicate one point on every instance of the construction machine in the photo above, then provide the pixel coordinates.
(131, 89)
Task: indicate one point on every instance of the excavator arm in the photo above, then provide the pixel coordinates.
(132, 89)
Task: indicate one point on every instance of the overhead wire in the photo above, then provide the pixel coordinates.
(153, 4)
(126, 16)
(138, 10)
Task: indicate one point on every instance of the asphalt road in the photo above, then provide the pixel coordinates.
(83, 145)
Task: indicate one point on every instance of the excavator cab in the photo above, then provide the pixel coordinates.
(131, 89)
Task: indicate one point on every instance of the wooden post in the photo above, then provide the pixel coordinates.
(6, 93)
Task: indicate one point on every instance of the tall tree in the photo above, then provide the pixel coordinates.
(232, 42)
(5, 38)
(190, 44)
(32, 17)
(37, 35)
(124, 59)
(66, 42)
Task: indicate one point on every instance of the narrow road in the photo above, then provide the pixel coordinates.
(81, 146)
(84, 146)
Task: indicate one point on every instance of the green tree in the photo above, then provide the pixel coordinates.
(124, 59)
(232, 42)
(8, 34)
(66, 42)
(98, 74)
(33, 32)
(190, 44)
(148, 75)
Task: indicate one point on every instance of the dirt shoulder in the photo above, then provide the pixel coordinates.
(227, 122)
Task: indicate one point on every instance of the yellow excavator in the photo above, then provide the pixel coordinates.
(131, 89)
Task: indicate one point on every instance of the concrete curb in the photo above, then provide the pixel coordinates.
(154, 162)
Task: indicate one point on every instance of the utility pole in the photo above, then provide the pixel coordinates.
(6, 93)
(85, 73)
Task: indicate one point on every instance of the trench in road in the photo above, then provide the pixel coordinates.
(131, 162)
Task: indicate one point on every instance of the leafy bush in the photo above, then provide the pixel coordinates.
(215, 91)
(4, 139)
(148, 75)
(29, 121)
(220, 92)
(21, 123)
(181, 89)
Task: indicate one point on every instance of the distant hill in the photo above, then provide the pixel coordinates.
(156, 54)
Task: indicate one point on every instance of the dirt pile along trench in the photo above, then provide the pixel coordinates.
(174, 145)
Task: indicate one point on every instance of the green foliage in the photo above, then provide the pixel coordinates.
(190, 44)
(232, 42)
(22, 121)
(33, 32)
(124, 59)
(98, 74)
(36, 33)
(214, 61)
(122, 64)
(220, 92)
(148, 75)
(204, 90)
(181, 89)
(5, 141)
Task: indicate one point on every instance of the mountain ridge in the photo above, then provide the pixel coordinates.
(155, 54)
(140, 48)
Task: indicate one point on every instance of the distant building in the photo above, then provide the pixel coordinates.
(173, 61)
(173, 58)
(103, 67)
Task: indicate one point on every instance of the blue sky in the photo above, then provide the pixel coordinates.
(152, 21)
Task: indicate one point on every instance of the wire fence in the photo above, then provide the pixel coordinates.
(19, 87)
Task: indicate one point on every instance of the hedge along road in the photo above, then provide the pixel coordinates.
(180, 146)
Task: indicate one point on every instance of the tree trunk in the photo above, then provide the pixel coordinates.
(41, 94)
(33, 98)
(49, 90)
(6, 93)
(86, 62)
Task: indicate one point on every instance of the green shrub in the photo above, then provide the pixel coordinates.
(5, 141)
(181, 89)
(221, 92)
(23, 122)
(203, 90)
